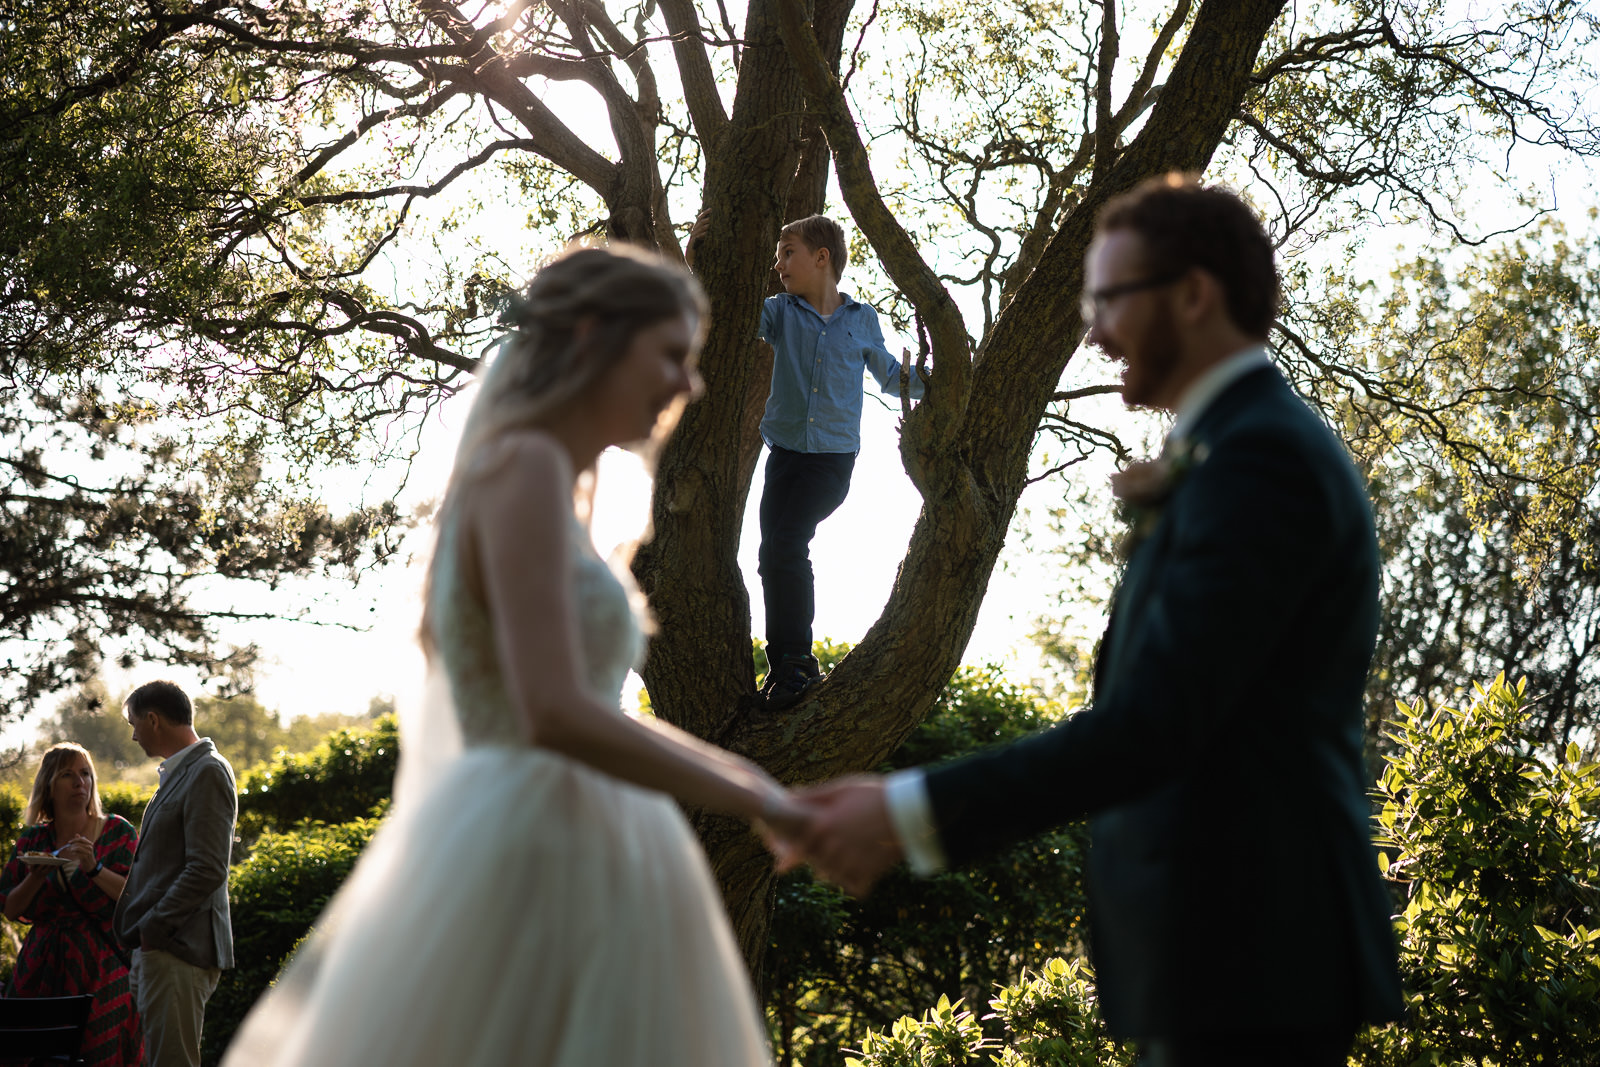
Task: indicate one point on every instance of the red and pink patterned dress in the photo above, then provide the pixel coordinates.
(69, 952)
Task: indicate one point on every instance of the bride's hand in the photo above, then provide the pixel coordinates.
(784, 820)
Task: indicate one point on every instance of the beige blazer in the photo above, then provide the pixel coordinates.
(176, 897)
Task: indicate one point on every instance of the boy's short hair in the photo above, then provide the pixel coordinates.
(819, 231)
(1185, 224)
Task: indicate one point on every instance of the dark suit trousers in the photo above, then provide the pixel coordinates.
(1319, 1048)
(802, 489)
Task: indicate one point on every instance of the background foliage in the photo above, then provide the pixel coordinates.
(837, 966)
(1489, 839)
(275, 895)
(348, 776)
(1489, 846)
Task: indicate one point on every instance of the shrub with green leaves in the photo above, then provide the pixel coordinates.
(126, 800)
(837, 966)
(1047, 1018)
(12, 803)
(274, 897)
(350, 775)
(1052, 1019)
(1491, 843)
(946, 1036)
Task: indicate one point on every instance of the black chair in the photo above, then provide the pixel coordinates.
(44, 1029)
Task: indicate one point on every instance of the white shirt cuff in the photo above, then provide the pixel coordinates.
(911, 813)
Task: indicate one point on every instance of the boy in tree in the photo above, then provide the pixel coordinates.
(821, 340)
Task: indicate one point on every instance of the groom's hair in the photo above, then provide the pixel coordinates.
(1185, 224)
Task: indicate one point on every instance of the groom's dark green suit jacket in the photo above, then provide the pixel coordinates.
(1233, 882)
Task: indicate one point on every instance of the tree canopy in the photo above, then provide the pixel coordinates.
(149, 447)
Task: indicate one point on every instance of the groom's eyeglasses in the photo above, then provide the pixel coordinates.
(1093, 303)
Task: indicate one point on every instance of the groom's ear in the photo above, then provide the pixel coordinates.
(1199, 295)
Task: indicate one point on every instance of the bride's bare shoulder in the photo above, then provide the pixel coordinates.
(527, 456)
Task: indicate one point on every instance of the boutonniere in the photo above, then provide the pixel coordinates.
(1143, 487)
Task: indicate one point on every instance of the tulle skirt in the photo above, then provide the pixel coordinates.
(527, 911)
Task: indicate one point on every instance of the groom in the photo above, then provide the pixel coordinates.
(1237, 915)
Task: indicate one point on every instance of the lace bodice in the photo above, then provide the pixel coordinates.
(609, 636)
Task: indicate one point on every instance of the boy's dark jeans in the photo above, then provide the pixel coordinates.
(802, 489)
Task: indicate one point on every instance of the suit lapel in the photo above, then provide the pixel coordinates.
(170, 786)
(1128, 598)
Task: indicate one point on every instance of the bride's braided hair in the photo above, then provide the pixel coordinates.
(568, 327)
(552, 356)
(571, 324)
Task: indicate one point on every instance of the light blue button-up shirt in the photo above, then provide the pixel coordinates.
(815, 402)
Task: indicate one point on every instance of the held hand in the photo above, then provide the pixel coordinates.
(784, 815)
(850, 840)
(784, 821)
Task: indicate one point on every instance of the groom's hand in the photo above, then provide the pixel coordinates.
(850, 840)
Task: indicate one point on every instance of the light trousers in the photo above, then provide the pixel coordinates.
(171, 996)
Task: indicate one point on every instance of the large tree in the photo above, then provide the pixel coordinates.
(972, 146)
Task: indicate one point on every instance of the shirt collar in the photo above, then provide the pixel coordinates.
(845, 300)
(170, 764)
(1212, 384)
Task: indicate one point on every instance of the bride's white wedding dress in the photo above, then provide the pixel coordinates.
(517, 907)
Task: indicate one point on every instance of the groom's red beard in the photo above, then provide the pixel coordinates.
(1151, 360)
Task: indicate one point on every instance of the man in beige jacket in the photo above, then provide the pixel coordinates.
(174, 909)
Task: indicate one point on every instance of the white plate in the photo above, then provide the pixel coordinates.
(45, 861)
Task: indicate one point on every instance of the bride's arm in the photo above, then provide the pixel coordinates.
(520, 517)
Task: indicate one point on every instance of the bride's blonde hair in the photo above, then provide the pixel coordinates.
(546, 361)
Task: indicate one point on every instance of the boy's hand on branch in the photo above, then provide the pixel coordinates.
(702, 222)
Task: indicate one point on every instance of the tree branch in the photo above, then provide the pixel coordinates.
(1105, 149)
(700, 91)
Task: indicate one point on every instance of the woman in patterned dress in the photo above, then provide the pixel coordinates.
(69, 951)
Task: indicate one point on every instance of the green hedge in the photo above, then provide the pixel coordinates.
(836, 967)
(12, 803)
(274, 896)
(1490, 841)
(128, 801)
(349, 776)
(1047, 1018)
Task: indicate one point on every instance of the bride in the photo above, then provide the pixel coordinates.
(536, 897)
